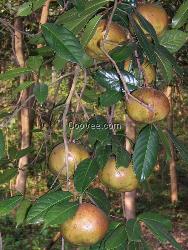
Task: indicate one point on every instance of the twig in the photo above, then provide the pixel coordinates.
(67, 104)
(53, 241)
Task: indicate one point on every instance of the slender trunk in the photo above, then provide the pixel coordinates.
(45, 12)
(24, 113)
(1, 242)
(129, 197)
(172, 162)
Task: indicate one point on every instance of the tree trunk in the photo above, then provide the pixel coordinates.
(172, 162)
(45, 12)
(129, 197)
(24, 113)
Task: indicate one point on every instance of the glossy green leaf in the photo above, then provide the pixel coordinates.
(59, 213)
(6, 206)
(165, 66)
(183, 151)
(2, 144)
(117, 238)
(110, 97)
(75, 20)
(98, 128)
(90, 30)
(146, 152)
(159, 227)
(22, 211)
(147, 27)
(181, 16)
(109, 79)
(133, 230)
(44, 203)
(144, 43)
(173, 40)
(85, 173)
(122, 53)
(11, 74)
(41, 92)
(59, 63)
(7, 175)
(25, 9)
(123, 158)
(63, 42)
(102, 153)
(100, 198)
(165, 142)
(35, 62)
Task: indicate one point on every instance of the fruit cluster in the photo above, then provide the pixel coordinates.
(147, 105)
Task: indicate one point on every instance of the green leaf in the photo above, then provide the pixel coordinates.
(23, 86)
(102, 153)
(117, 238)
(133, 245)
(75, 20)
(9, 204)
(22, 211)
(7, 175)
(41, 92)
(165, 66)
(173, 40)
(38, 4)
(85, 173)
(165, 142)
(44, 203)
(25, 9)
(133, 230)
(123, 158)
(122, 53)
(35, 62)
(110, 97)
(148, 27)
(11, 74)
(146, 152)
(2, 144)
(59, 63)
(179, 145)
(109, 79)
(144, 43)
(19, 154)
(90, 30)
(59, 213)
(63, 42)
(159, 227)
(100, 198)
(98, 128)
(181, 16)
(90, 95)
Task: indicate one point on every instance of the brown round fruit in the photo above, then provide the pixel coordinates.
(119, 179)
(57, 159)
(154, 14)
(148, 70)
(87, 227)
(158, 105)
(116, 35)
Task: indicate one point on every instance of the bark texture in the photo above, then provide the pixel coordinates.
(24, 113)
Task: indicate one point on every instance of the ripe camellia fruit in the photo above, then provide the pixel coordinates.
(88, 226)
(157, 102)
(154, 14)
(57, 162)
(148, 70)
(119, 179)
(116, 35)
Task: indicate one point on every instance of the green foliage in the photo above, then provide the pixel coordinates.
(7, 175)
(2, 144)
(38, 211)
(181, 16)
(14, 73)
(85, 173)
(9, 204)
(35, 62)
(145, 152)
(41, 92)
(110, 97)
(22, 211)
(133, 230)
(99, 197)
(173, 40)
